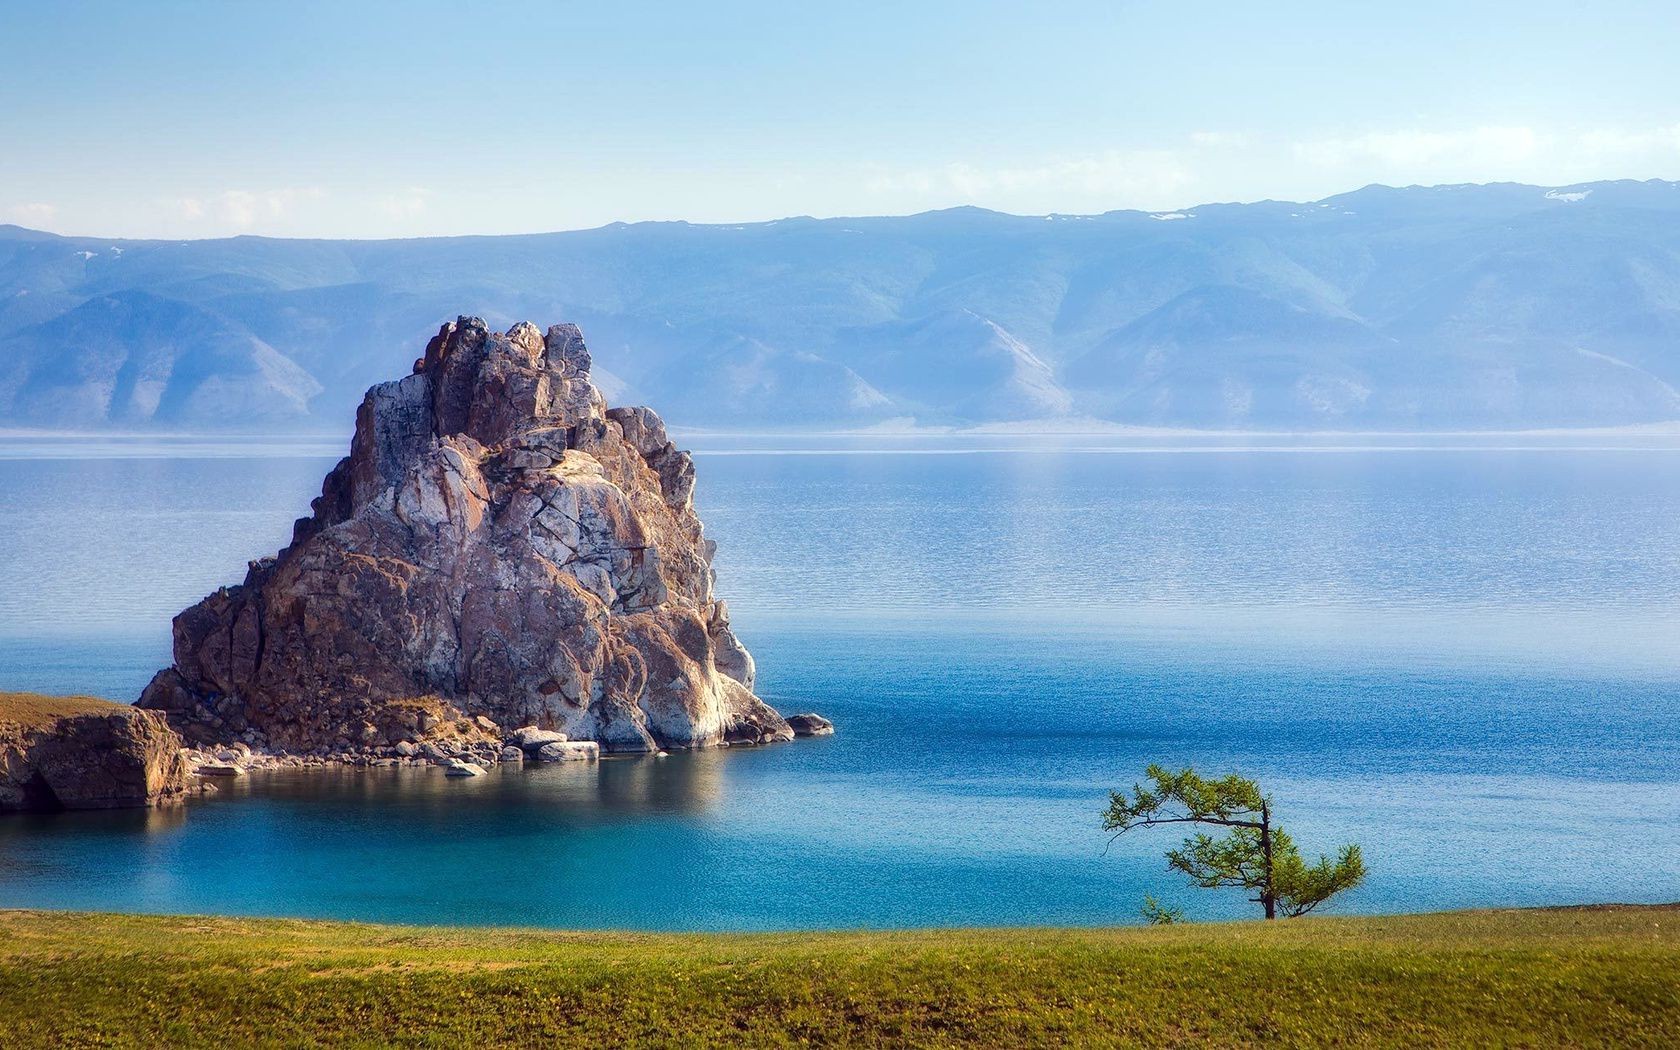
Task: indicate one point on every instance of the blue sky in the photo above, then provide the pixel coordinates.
(386, 119)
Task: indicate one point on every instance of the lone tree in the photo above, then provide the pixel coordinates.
(1254, 855)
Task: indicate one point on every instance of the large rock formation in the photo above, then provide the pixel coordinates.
(498, 550)
(79, 752)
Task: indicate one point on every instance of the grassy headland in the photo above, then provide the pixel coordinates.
(35, 711)
(1548, 977)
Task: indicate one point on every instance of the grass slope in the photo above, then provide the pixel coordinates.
(1551, 977)
(34, 710)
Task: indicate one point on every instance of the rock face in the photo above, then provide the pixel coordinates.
(77, 752)
(499, 549)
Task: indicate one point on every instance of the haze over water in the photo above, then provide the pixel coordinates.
(1464, 657)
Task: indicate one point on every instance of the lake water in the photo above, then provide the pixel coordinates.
(1467, 659)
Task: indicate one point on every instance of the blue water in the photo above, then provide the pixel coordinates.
(1465, 659)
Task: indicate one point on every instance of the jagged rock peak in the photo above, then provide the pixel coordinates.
(499, 545)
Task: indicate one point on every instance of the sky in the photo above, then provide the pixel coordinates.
(347, 119)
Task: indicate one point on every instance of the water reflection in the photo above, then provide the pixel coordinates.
(616, 787)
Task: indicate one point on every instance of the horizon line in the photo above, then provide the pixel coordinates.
(743, 224)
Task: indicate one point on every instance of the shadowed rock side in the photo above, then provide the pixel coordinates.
(79, 752)
(498, 547)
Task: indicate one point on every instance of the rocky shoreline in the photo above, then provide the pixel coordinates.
(528, 745)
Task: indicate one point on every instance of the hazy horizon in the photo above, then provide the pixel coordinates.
(726, 223)
(382, 119)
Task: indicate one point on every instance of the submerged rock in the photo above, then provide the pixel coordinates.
(78, 752)
(498, 549)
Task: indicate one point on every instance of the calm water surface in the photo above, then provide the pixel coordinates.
(1466, 659)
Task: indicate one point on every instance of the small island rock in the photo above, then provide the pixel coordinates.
(499, 548)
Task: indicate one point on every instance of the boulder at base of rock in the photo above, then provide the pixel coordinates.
(809, 724)
(79, 752)
(570, 751)
(220, 769)
(532, 739)
(497, 543)
(458, 768)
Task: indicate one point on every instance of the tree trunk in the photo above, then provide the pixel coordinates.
(1267, 896)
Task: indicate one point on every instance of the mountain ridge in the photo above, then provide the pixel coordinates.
(1473, 306)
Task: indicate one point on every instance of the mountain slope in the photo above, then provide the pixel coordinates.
(134, 358)
(1493, 306)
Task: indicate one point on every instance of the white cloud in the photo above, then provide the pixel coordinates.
(1622, 145)
(1483, 154)
(1213, 165)
(405, 203)
(1118, 174)
(241, 210)
(1408, 149)
(33, 214)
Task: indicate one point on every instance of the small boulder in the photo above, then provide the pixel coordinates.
(531, 738)
(810, 724)
(512, 754)
(220, 769)
(569, 751)
(458, 768)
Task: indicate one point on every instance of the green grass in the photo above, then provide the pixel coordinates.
(1535, 978)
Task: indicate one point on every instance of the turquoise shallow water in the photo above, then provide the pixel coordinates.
(1468, 660)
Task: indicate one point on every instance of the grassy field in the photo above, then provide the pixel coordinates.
(1544, 978)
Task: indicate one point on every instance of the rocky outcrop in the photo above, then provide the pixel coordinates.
(500, 549)
(810, 725)
(78, 752)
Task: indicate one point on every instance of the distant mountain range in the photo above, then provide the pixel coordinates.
(1486, 307)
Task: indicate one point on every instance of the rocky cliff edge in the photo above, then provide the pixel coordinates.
(80, 752)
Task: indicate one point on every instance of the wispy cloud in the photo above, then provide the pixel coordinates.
(405, 203)
(1623, 146)
(1507, 151)
(1411, 148)
(33, 214)
(244, 209)
(1222, 164)
(1119, 173)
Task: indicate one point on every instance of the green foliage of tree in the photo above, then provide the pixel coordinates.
(1252, 854)
(1158, 914)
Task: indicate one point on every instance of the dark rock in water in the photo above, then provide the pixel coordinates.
(78, 752)
(498, 549)
(810, 725)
